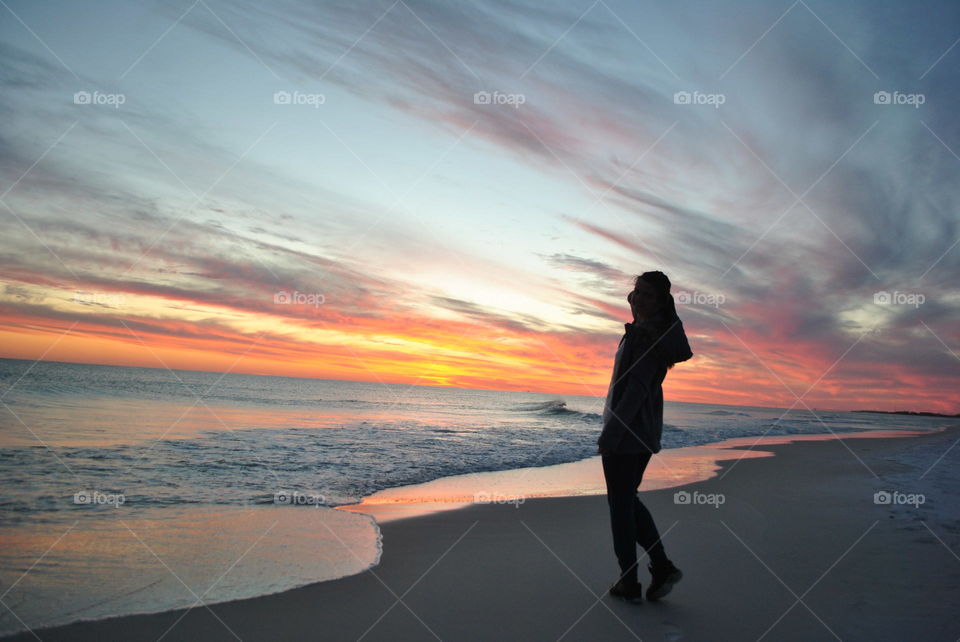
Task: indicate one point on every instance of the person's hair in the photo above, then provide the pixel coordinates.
(661, 286)
(666, 318)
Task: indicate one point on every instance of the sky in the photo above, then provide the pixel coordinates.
(460, 193)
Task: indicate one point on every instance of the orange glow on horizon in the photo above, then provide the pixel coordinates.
(528, 370)
(427, 351)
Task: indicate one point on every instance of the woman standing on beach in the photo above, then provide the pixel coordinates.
(632, 426)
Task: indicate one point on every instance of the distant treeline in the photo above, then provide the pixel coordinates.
(911, 412)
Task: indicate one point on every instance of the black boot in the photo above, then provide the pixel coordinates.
(627, 589)
(665, 575)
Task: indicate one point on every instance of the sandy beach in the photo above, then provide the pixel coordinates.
(789, 547)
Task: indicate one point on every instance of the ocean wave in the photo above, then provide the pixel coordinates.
(556, 407)
(552, 406)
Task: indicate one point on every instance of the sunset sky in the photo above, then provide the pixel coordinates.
(428, 236)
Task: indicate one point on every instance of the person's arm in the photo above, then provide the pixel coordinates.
(637, 379)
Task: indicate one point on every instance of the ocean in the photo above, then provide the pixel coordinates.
(131, 490)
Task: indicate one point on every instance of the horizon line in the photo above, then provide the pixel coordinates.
(395, 383)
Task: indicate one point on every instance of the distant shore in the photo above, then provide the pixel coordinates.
(800, 547)
(911, 412)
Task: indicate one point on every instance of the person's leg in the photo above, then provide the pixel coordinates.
(619, 472)
(646, 529)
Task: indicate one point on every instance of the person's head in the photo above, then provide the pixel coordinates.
(651, 295)
(650, 300)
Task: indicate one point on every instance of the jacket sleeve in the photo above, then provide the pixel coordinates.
(637, 379)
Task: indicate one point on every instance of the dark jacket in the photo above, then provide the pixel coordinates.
(633, 413)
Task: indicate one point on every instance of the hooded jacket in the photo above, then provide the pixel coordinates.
(633, 413)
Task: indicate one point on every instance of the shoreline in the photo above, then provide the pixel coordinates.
(670, 468)
(298, 547)
(486, 554)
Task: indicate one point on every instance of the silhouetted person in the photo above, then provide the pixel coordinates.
(632, 426)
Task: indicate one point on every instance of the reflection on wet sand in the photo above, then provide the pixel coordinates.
(669, 468)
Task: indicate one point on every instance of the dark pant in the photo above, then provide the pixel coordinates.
(630, 520)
